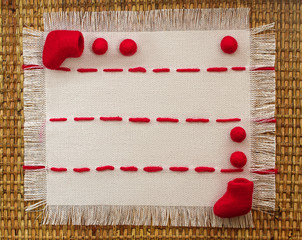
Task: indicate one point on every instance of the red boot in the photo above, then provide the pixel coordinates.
(237, 200)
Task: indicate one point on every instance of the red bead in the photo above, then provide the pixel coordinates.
(228, 44)
(128, 47)
(238, 134)
(100, 46)
(238, 159)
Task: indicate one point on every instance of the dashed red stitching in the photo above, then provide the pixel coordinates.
(82, 70)
(228, 120)
(167, 120)
(58, 119)
(84, 169)
(266, 171)
(268, 120)
(111, 118)
(229, 170)
(217, 69)
(238, 68)
(137, 69)
(205, 169)
(263, 68)
(188, 70)
(179, 169)
(129, 169)
(65, 69)
(197, 120)
(33, 167)
(113, 70)
(58, 169)
(153, 169)
(104, 168)
(31, 66)
(84, 118)
(146, 120)
(157, 70)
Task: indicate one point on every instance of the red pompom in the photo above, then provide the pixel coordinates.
(228, 44)
(128, 47)
(62, 44)
(237, 200)
(100, 46)
(238, 134)
(238, 159)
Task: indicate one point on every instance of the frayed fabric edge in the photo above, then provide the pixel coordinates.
(262, 110)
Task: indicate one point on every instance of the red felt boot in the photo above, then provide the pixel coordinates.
(62, 44)
(237, 200)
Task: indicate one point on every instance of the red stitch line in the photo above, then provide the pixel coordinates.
(129, 169)
(58, 169)
(188, 70)
(104, 168)
(84, 169)
(179, 169)
(82, 70)
(167, 119)
(137, 69)
(153, 169)
(229, 170)
(197, 120)
(267, 171)
(263, 68)
(33, 167)
(113, 70)
(238, 68)
(139, 120)
(111, 118)
(228, 120)
(205, 169)
(268, 120)
(84, 118)
(58, 119)
(157, 70)
(65, 69)
(217, 69)
(31, 66)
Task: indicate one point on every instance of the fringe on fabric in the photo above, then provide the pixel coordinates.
(262, 110)
(262, 107)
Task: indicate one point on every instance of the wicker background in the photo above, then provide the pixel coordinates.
(15, 223)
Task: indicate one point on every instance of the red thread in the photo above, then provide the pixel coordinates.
(263, 68)
(228, 120)
(58, 169)
(179, 169)
(84, 118)
(84, 169)
(217, 69)
(104, 168)
(128, 47)
(268, 120)
(197, 120)
(266, 171)
(33, 167)
(237, 200)
(238, 68)
(82, 70)
(167, 119)
(58, 119)
(204, 169)
(100, 46)
(139, 120)
(238, 134)
(65, 69)
(137, 69)
(228, 44)
(129, 169)
(230, 170)
(62, 44)
(238, 159)
(153, 169)
(31, 66)
(111, 118)
(157, 70)
(188, 70)
(113, 70)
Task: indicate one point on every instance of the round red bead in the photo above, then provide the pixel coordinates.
(100, 46)
(228, 44)
(128, 47)
(238, 134)
(238, 159)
